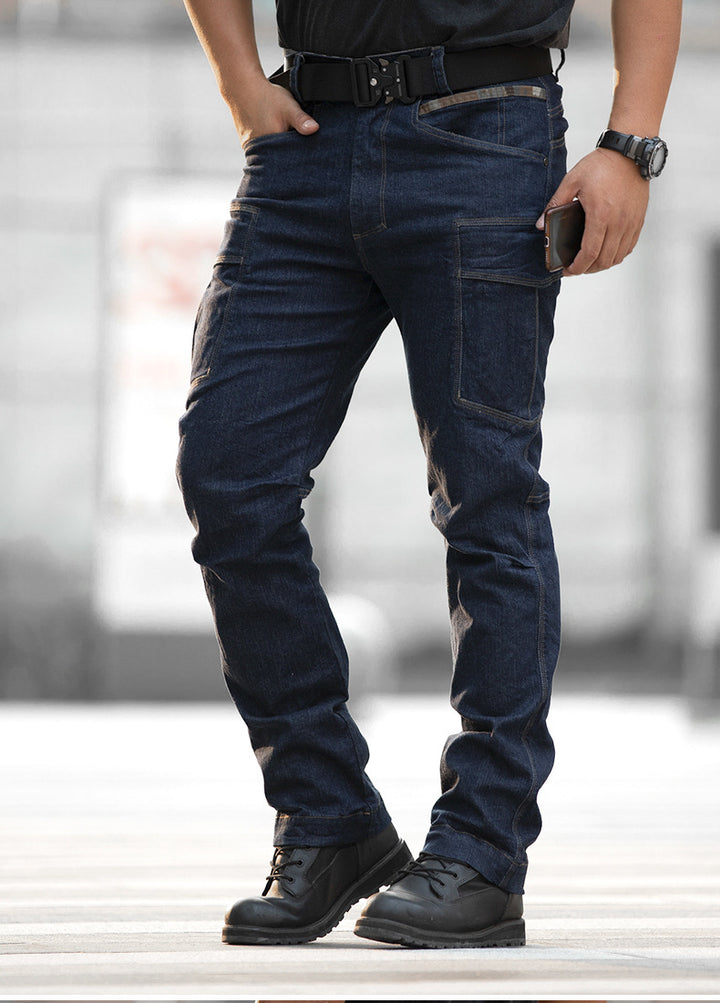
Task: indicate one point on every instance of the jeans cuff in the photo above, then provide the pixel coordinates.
(493, 864)
(330, 830)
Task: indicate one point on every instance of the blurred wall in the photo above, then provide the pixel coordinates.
(95, 94)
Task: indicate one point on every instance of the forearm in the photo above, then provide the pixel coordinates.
(646, 37)
(226, 31)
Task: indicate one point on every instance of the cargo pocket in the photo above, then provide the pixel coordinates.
(212, 314)
(505, 315)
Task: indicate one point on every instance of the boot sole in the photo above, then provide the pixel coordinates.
(380, 874)
(508, 934)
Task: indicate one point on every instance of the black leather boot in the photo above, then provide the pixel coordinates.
(309, 889)
(436, 902)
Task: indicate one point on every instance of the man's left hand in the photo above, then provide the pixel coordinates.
(614, 196)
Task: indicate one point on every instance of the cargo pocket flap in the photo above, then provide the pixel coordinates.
(503, 250)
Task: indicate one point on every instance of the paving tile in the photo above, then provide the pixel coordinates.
(126, 834)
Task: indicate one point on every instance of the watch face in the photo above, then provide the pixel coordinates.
(657, 159)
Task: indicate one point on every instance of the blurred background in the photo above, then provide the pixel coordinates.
(118, 160)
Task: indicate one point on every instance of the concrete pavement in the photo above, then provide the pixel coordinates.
(127, 830)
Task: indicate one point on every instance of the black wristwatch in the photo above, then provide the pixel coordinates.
(649, 154)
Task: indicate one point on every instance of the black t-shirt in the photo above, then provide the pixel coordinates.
(357, 28)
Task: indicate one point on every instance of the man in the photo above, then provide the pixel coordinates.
(411, 184)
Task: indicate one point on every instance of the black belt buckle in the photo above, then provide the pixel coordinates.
(379, 78)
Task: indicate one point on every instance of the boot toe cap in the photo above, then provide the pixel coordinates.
(253, 912)
(396, 906)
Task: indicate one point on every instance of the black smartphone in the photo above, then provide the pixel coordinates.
(564, 227)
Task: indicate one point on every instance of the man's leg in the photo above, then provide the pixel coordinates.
(461, 265)
(283, 330)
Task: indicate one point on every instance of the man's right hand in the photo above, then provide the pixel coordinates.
(264, 108)
(226, 31)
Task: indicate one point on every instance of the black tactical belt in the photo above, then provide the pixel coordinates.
(369, 80)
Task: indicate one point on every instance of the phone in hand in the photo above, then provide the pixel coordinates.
(564, 227)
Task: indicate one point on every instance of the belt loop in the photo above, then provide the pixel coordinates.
(298, 60)
(438, 67)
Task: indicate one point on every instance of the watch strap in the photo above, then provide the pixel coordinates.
(624, 143)
(642, 151)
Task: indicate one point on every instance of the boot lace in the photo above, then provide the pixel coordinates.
(279, 867)
(430, 867)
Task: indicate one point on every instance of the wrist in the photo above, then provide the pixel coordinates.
(247, 99)
(239, 87)
(628, 118)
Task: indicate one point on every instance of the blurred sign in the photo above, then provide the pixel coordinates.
(162, 235)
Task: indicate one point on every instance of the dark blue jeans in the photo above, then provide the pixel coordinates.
(425, 212)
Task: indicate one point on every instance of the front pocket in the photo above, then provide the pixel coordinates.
(269, 138)
(212, 314)
(506, 303)
(509, 118)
